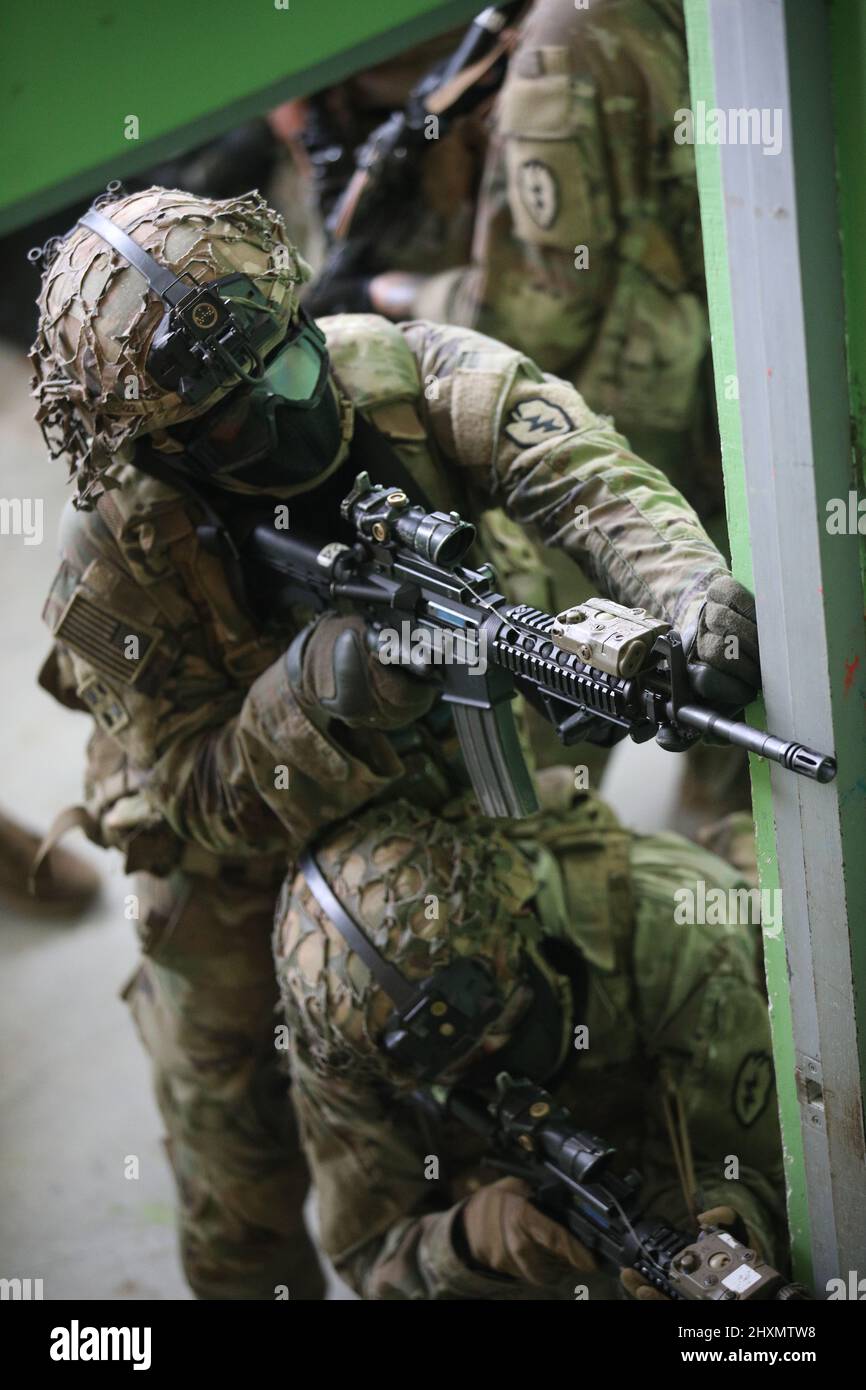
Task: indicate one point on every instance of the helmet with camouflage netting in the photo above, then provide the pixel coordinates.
(450, 907)
(95, 380)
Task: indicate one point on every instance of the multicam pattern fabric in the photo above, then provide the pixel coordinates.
(193, 738)
(205, 767)
(672, 1011)
(204, 1000)
(586, 249)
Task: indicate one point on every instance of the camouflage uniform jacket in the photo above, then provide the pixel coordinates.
(202, 750)
(586, 251)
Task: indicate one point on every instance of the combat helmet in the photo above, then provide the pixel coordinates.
(115, 337)
(449, 972)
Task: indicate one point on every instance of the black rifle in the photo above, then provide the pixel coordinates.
(387, 170)
(568, 1169)
(597, 673)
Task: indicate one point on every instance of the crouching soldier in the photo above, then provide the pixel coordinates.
(550, 951)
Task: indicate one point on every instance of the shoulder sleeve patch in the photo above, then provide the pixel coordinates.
(533, 421)
(538, 189)
(753, 1087)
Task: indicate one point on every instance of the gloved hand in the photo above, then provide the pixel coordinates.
(507, 1234)
(717, 676)
(637, 1287)
(333, 665)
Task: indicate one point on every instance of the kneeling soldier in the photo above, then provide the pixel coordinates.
(550, 949)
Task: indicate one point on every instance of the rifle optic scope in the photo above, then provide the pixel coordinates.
(383, 514)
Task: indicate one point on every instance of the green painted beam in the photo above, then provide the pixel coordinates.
(708, 158)
(71, 76)
(848, 36)
(848, 51)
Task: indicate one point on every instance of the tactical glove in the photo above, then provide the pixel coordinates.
(507, 1234)
(722, 670)
(637, 1287)
(333, 665)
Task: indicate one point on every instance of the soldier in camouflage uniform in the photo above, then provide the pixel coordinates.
(227, 738)
(577, 212)
(675, 1068)
(178, 733)
(586, 250)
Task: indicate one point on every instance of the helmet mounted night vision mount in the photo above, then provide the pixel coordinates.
(211, 336)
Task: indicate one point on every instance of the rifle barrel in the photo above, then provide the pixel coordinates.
(795, 756)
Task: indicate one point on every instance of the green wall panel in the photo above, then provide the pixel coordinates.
(725, 372)
(71, 75)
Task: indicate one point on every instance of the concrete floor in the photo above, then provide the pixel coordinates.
(75, 1095)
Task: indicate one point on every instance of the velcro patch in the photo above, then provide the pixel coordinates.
(104, 704)
(120, 647)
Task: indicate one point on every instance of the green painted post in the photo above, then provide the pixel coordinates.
(848, 51)
(848, 35)
(727, 396)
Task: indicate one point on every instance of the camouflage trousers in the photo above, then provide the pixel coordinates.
(203, 1000)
